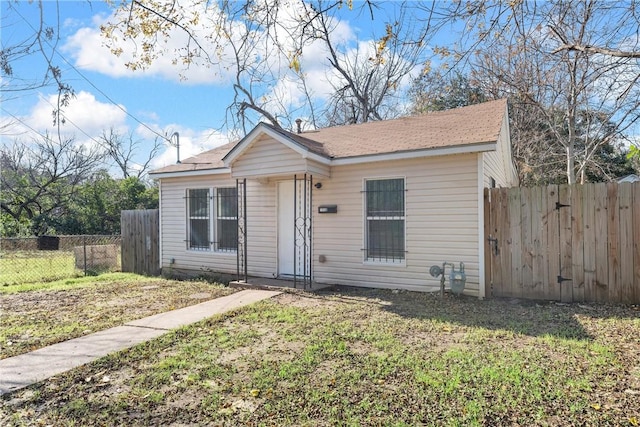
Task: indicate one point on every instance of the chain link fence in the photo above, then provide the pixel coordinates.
(49, 258)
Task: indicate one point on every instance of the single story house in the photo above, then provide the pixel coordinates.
(373, 204)
(629, 178)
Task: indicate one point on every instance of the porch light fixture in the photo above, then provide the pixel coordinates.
(318, 185)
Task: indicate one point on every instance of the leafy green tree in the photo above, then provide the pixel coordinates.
(633, 157)
(51, 188)
(38, 179)
(437, 90)
(97, 206)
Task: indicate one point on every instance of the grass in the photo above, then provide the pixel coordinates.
(35, 315)
(69, 283)
(362, 358)
(31, 267)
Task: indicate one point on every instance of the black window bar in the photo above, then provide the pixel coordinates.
(302, 214)
(241, 212)
(385, 220)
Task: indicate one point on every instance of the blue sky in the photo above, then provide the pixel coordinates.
(161, 103)
(109, 95)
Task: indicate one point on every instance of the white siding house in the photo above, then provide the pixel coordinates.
(372, 205)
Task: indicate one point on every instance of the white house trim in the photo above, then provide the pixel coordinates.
(160, 223)
(481, 236)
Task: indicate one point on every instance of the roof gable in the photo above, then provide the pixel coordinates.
(306, 149)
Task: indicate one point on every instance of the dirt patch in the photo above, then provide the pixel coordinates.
(299, 300)
(201, 295)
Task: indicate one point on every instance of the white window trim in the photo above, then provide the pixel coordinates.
(378, 262)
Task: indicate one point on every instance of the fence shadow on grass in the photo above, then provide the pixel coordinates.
(532, 318)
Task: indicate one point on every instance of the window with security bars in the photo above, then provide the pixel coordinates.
(385, 223)
(227, 219)
(199, 215)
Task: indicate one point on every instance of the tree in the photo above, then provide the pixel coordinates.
(121, 150)
(40, 178)
(42, 41)
(544, 55)
(97, 205)
(262, 47)
(437, 90)
(368, 81)
(633, 156)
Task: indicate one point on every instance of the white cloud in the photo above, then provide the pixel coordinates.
(88, 48)
(92, 116)
(84, 112)
(84, 119)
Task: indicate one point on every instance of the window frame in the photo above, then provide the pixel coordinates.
(212, 221)
(217, 217)
(191, 217)
(375, 260)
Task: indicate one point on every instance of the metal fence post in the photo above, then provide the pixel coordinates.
(84, 246)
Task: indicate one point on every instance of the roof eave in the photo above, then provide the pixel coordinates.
(188, 173)
(412, 154)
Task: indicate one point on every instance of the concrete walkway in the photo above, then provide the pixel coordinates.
(21, 371)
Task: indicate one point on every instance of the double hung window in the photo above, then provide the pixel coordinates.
(385, 220)
(227, 219)
(199, 231)
(212, 219)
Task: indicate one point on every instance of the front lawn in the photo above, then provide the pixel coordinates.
(362, 357)
(38, 314)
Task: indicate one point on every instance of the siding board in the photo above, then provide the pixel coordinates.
(268, 157)
(441, 223)
(260, 228)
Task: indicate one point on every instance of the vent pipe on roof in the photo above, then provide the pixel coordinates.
(177, 144)
(299, 123)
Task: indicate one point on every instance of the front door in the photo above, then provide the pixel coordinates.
(286, 231)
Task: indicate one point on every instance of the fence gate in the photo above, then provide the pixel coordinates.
(564, 243)
(140, 241)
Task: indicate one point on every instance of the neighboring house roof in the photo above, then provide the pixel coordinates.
(630, 178)
(466, 126)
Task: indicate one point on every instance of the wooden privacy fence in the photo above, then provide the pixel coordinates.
(140, 241)
(565, 243)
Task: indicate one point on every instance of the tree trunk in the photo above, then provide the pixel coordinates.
(571, 173)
